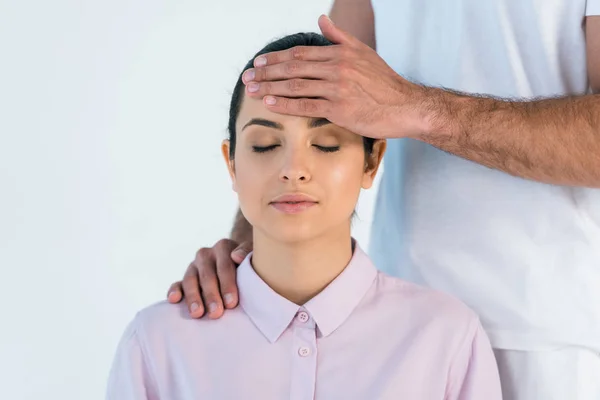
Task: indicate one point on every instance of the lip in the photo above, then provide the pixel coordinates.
(293, 203)
(293, 198)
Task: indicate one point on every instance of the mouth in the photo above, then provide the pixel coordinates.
(292, 207)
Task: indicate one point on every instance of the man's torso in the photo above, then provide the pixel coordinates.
(524, 255)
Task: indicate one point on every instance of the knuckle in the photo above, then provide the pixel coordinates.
(343, 66)
(272, 58)
(265, 87)
(283, 103)
(258, 73)
(342, 88)
(203, 253)
(298, 53)
(336, 90)
(261, 74)
(210, 298)
(227, 287)
(222, 243)
(297, 85)
(305, 105)
(291, 67)
(333, 70)
(225, 265)
(191, 277)
(207, 297)
(191, 292)
(206, 275)
(193, 297)
(247, 245)
(191, 274)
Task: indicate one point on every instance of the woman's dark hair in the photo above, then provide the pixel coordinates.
(287, 42)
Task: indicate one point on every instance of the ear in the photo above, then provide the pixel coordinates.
(372, 163)
(225, 146)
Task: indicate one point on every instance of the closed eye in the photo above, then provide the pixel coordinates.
(327, 149)
(263, 149)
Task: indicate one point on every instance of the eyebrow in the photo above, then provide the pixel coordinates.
(312, 123)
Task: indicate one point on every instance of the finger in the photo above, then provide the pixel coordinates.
(226, 274)
(291, 88)
(240, 252)
(303, 107)
(191, 292)
(174, 294)
(298, 53)
(289, 69)
(335, 34)
(209, 284)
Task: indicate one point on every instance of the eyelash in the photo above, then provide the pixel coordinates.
(259, 149)
(328, 149)
(324, 149)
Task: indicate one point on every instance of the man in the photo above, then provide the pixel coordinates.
(492, 199)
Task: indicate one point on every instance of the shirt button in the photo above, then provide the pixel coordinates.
(302, 316)
(304, 351)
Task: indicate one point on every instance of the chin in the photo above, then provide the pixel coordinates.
(293, 232)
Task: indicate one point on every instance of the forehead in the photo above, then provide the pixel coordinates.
(255, 108)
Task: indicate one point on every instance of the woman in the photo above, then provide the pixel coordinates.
(317, 320)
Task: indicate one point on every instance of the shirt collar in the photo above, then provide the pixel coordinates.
(272, 313)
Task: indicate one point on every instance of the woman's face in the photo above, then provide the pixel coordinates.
(297, 178)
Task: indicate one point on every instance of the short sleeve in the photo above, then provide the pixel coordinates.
(130, 377)
(475, 374)
(592, 7)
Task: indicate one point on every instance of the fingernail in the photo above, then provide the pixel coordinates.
(260, 61)
(194, 307)
(241, 253)
(172, 294)
(249, 75)
(253, 87)
(212, 307)
(228, 298)
(270, 100)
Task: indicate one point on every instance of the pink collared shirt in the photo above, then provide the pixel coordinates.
(366, 336)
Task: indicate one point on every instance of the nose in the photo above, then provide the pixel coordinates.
(295, 168)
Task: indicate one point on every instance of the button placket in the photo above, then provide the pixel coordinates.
(304, 363)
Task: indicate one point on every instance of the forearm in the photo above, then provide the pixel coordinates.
(555, 141)
(242, 230)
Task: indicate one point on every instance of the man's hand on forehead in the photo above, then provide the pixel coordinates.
(346, 83)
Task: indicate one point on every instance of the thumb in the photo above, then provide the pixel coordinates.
(239, 253)
(333, 32)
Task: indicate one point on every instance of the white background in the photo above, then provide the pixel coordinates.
(111, 118)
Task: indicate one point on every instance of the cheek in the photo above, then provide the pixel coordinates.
(251, 178)
(345, 179)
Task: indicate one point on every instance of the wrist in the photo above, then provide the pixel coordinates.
(442, 112)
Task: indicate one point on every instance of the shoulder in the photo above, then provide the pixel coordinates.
(425, 306)
(166, 321)
(162, 313)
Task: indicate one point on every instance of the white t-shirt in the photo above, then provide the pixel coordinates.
(525, 255)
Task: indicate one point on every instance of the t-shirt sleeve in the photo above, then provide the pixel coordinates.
(130, 377)
(475, 373)
(592, 7)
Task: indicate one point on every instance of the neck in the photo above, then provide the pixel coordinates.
(298, 271)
